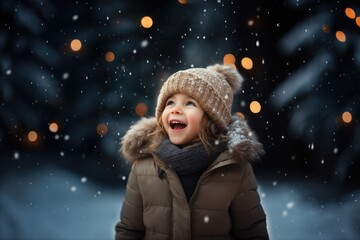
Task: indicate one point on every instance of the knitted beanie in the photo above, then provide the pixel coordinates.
(212, 87)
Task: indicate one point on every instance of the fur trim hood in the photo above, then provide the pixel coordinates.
(242, 144)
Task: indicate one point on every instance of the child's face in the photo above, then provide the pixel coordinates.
(182, 119)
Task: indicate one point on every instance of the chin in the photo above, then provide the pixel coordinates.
(176, 142)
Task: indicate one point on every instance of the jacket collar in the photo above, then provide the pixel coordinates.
(242, 145)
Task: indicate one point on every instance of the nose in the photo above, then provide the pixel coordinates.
(176, 110)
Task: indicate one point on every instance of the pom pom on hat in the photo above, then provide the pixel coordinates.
(231, 75)
(212, 87)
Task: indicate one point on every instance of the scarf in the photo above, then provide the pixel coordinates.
(189, 162)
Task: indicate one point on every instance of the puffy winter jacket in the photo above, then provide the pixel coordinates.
(224, 205)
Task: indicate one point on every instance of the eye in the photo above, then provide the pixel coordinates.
(169, 103)
(190, 103)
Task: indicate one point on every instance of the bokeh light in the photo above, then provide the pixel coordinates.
(350, 13)
(141, 109)
(247, 63)
(32, 136)
(325, 28)
(255, 107)
(357, 20)
(53, 127)
(240, 115)
(146, 22)
(183, 1)
(340, 36)
(346, 117)
(229, 59)
(75, 45)
(101, 129)
(251, 22)
(109, 56)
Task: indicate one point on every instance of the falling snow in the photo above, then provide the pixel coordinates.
(305, 76)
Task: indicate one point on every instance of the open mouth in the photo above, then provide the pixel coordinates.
(177, 125)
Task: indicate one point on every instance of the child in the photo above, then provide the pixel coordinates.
(190, 176)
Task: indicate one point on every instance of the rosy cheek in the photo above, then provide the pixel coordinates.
(194, 119)
(163, 118)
